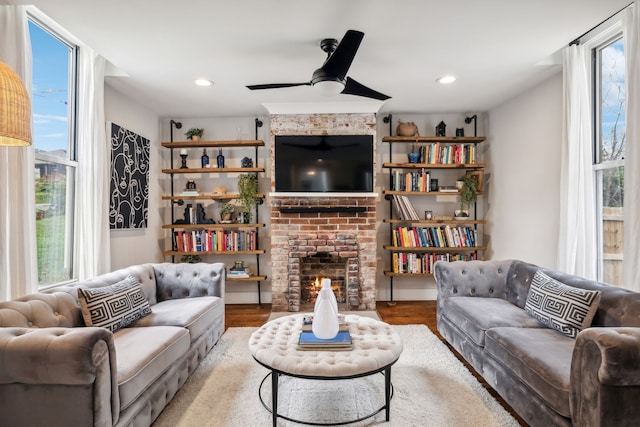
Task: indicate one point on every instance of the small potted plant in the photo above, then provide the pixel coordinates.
(226, 211)
(194, 134)
(468, 195)
(247, 190)
(414, 155)
(191, 259)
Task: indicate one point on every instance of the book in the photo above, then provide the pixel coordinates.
(308, 341)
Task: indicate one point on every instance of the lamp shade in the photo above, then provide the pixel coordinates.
(15, 109)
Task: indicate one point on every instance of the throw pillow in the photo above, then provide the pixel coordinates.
(561, 307)
(114, 307)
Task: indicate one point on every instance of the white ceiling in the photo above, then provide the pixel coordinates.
(495, 48)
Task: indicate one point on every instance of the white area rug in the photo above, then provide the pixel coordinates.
(431, 387)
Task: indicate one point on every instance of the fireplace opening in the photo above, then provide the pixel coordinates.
(316, 267)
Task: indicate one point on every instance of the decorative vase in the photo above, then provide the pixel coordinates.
(325, 313)
(205, 158)
(220, 159)
(195, 138)
(407, 129)
(413, 157)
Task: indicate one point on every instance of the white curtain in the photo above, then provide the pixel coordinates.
(631, 34)
(92, 244)
(18, 256)
(577, 238)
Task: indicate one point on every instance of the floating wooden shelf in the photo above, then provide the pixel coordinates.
(392, 274)
(208, 196)
(221, 144)
(412, 139)
(247, 279)
(433, 249)
(216, 226)
(434, 165)
(178, 253)
(212, 170)
(435, 222)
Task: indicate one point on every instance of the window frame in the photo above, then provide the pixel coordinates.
(69, 162)
(607, 37)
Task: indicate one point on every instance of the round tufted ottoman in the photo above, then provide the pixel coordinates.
(376, 347)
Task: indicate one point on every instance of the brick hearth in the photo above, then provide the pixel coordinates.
(346, 233)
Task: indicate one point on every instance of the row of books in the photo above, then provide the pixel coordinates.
(215, 240)
(414, 263)
(447, 154)
(404, 209)
(435, 237)
(411, 181)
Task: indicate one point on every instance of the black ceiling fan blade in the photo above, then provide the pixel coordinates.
(352, 87)
(339, 62)
(277, 85)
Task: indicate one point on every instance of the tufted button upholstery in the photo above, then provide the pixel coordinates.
(41, 310)
(375, 345)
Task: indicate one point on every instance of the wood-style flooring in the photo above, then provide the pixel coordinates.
(396, 313)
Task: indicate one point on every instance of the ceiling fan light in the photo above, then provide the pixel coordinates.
(203, 82)
(446, 79)
(329, 87)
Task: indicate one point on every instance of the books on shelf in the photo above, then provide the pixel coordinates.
(190, 193)
(240, 273)
(215, 240)
(448, 189)
(419, 263)
(417, 181)
(308, 341)
(435, 237)
(404, 208)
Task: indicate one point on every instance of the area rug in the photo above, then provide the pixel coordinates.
(431, 387)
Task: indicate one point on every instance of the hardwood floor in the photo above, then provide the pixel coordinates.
(396, 313)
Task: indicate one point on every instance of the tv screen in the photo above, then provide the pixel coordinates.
(327, 163)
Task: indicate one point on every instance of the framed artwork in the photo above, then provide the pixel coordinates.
(479, 176)
(129, 188)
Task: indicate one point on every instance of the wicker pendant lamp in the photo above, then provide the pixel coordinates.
(15, 109)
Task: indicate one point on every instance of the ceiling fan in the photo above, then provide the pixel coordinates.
(332, 78)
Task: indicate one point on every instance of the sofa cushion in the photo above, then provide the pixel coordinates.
(143, 355)
(115, 306)
(564, 308)
(539, 357)
(476, 315)
(195, 314)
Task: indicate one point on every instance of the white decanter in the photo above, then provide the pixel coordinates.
(325, 313)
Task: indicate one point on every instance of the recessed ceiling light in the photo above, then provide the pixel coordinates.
(446, 80)
(203, 82)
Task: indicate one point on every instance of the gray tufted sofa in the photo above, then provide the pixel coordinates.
(548, 378)
(55, 371)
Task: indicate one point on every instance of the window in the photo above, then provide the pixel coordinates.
(54, 94)
(610, 135)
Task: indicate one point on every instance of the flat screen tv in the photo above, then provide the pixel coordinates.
(324, 164)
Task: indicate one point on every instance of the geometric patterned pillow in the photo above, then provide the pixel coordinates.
(561, 307)
(114, 306)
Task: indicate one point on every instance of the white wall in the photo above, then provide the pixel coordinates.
(524, 165)
(522, 203)
(136, 246)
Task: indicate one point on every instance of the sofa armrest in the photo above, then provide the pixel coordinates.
(37, 359)
(605, 377)
(186, 280)
(471, 278)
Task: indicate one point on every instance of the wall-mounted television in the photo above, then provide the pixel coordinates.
(324, 163)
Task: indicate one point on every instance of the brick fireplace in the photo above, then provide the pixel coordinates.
(330, 236)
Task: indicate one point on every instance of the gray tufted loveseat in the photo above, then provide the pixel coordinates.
(55, 371)
(548, 378)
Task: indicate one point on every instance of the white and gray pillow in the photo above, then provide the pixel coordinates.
(558, 306)
(115, 306)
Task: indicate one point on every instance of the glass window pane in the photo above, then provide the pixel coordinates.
(50, 92)
(612, 102)
(54, 214)
(612, 184)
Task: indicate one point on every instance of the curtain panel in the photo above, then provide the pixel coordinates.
(577, 238)
(18, 254)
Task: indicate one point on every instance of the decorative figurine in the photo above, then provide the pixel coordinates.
(441, 129)
(246, 162)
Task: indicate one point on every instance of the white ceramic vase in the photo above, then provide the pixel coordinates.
(325, 313)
